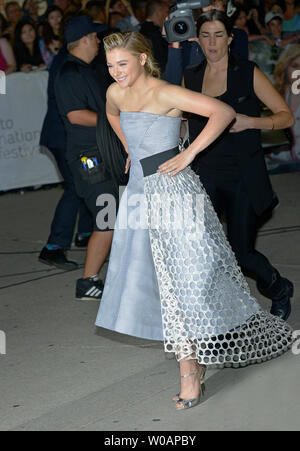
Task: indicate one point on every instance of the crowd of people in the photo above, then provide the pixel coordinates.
(266, 32)
(30, 35)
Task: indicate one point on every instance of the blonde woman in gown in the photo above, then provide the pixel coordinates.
(173, 277)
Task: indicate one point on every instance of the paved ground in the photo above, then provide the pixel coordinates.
(60, 373)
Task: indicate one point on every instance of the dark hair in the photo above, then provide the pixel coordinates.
(97, 4)
(25, 7)
(22, 53)
(152, 6)
(236, 14)
(13, 3)
(112, 3)
(282, 3)
(51, 9)
(3, 24)
(48, 32)
(211, 16)
(138, 4)
(112, 14)
(19, 28)
(278, 3)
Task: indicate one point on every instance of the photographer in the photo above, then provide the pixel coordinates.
(156, 13)
(190, 52)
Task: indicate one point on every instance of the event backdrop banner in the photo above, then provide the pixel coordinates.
(22, 111)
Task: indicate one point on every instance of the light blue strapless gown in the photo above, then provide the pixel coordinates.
(180, 285)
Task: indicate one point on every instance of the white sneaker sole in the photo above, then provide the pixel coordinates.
(87, 299)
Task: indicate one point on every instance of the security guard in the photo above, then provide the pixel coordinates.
(80, 95)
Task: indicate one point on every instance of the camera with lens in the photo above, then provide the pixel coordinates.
(181, 25)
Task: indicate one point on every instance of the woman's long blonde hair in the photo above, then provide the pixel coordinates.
(136, 44)
(283, 63)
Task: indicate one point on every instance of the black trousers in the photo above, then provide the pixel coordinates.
(64, 221)
(90, 192)
(230, 199)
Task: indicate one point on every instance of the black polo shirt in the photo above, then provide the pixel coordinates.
(77, 87)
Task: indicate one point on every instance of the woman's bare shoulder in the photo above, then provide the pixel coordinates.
(166, 89)
(114, 94)
(166, 93)
(113, 91)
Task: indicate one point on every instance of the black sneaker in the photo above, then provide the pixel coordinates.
(57, 258)
(90, 289)
(280, 291)
(281, 305)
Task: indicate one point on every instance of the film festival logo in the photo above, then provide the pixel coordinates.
(2, 82)
(2, 343)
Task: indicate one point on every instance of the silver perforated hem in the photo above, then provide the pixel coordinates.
(208, 312)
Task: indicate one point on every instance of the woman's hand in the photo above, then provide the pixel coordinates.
(26, 68)
(127, 166)
(177, 164)
(269, 40)
(54, 46)
(240, 124)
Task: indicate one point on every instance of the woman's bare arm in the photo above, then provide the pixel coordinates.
(219, 116)
(113, 114)
(9, 57)
(282, 116)
(265, 91)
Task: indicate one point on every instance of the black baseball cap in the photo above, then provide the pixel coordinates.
(81, 26)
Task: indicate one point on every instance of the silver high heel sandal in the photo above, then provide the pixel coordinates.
(189, 403)
(202, 382)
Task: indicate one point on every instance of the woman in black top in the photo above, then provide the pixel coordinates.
(233, 169)
(26, 47)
